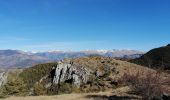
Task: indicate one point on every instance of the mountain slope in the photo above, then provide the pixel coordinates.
(85, 73)
(73, 54)
(156, 58)
(20, 59)
(17, 59)
(78, 75)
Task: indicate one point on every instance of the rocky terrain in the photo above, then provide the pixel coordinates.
(91, 74)
(68, 72)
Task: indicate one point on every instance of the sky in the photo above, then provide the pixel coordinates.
(42, 25)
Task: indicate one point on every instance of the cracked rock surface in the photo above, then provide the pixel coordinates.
(67, 72)
(3, 78)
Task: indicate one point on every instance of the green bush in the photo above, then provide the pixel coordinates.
(14, 87)
(39, 89)
(63, 88)
(35, 73)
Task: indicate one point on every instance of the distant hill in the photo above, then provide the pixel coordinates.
(16, 59)
(20, 59)
(156, 58)
(106, 53)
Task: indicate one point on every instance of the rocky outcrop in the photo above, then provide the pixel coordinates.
(3, 78)
(67, 72)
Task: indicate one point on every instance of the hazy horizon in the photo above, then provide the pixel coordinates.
(67, 51)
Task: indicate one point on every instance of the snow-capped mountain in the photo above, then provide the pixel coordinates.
(18, 58)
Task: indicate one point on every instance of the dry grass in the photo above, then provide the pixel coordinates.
(93, 63)
(120, 93)
(120, 66)
(149, 85)
(59, 97)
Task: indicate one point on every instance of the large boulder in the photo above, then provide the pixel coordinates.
(67, 72)
(3, 78)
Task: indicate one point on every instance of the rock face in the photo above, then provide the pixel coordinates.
(3, 78)
(67, 72)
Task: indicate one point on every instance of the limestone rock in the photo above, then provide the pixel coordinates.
(3, 78)
(99, 73)
(66, 72)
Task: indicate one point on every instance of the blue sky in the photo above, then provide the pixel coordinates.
(41, 25)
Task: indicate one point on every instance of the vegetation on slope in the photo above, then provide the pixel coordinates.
(156, 58)
(150, 85)
(14, 86)
(37, 81)
(34, 74)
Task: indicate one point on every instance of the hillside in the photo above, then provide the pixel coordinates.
(19, 59)
(79, 75)
(156, 58)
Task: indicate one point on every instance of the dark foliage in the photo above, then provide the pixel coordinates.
(34, 74)
(156, 58)
(114, 97)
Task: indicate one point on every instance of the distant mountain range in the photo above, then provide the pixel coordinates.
(21, 59)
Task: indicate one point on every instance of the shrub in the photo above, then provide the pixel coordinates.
(148, 84)
(39, 89)
(53, 89)
(65, 88)
(36, 73)
(62, 88)
(14, 87)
